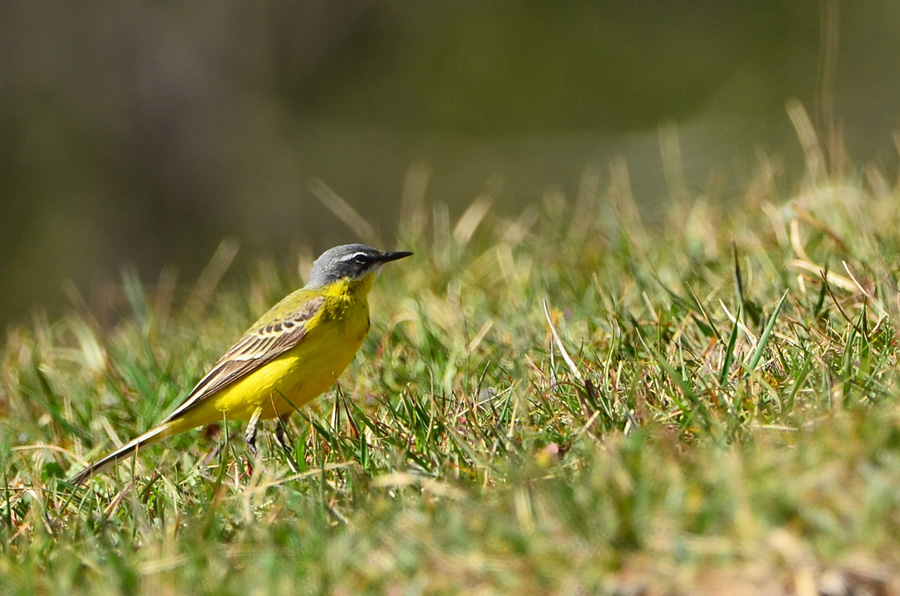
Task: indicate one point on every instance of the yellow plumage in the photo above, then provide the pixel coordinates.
(303, 372)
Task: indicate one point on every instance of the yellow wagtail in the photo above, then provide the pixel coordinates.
(290, 356)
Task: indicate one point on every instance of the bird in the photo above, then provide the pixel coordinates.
(287, 358)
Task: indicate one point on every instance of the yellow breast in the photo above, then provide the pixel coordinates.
(305, 371)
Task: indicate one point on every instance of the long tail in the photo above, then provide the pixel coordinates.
(148, 438)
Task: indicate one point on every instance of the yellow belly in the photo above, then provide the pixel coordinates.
(290, 381)
(296, 377)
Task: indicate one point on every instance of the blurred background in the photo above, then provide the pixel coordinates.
(144, 133)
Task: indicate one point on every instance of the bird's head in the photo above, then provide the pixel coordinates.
(354, 262)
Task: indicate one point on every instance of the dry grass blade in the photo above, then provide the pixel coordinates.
(345, 212)
(211, 276)
(559, 344)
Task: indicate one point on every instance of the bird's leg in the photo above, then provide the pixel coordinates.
(281, 439)
(280, 434)
(250, 433)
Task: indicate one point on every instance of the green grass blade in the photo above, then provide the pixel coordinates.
(764, 338)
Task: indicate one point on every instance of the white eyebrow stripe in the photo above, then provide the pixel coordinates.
(352, 256)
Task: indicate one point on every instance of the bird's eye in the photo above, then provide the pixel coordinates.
(360, 259)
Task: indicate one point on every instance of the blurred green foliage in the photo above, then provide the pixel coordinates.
(144, 133)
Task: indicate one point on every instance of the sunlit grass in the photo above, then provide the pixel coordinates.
(564, 400)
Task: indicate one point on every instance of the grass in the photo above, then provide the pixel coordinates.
(565, 401)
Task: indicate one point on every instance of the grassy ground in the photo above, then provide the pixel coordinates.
(565, 401)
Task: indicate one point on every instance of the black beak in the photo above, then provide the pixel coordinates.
(393, 256)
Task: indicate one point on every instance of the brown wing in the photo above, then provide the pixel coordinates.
(251, 352)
